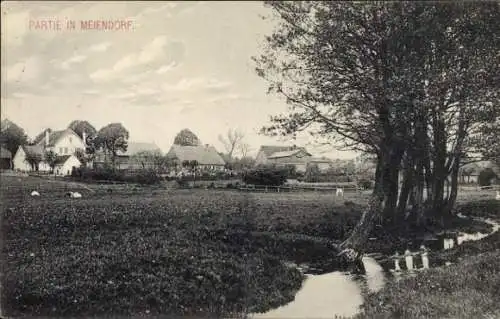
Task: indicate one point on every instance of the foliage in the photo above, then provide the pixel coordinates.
(144, 176)
(312, 173)
(267, 176)
(186, 138)
(153, 160)
(79, 126)
(111, 139)
(12, 136)
(486, 177)
(50, 157)
(365, 184)
(33, 159)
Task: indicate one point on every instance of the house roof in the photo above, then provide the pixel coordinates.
(54, 136)
(203, 154)
(320, 160)
(33, 149)
(271, 149)
(136, 147)
(62, 159)
(288, 153)
(5, 153)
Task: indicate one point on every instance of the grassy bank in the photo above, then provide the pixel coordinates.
(469, 288)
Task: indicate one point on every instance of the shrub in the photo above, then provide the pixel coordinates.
(365, 184)
(266, 176)
(485, 177)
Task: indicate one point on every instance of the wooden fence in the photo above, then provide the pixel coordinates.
(297, 188)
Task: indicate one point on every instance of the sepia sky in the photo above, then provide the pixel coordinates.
(181, 65)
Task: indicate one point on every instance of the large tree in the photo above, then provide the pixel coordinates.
(12, 136)
(405, 81)
(80, 126)
(186, 138)
(112, 138)
(232, 141)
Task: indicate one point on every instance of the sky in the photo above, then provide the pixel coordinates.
(172, 65)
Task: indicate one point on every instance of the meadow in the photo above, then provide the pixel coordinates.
(127, 250)
(130, 251)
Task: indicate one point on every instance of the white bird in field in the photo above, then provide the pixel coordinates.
(498, 195)
(76, 195)
(35, 193)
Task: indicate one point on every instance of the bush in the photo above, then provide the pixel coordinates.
(365, 184)
(266, 176)
(485, 177)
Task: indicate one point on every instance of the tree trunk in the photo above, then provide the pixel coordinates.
(371, 214)
(405, 190)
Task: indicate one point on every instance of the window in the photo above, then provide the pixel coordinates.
(65, 150)
(70, 139)
(60, 150)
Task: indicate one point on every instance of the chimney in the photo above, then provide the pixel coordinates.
(84, 137)
(47, 134)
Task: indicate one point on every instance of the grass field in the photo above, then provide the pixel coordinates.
(135, 250)
(125, 250)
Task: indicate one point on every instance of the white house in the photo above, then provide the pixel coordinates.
(64, 143)
(290, 156)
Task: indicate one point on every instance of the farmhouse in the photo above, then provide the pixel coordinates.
(207, 156)
(290, 156)
(5, 158)
(127, 160)
(64, 143)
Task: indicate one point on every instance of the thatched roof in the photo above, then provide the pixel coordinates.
(204, 155)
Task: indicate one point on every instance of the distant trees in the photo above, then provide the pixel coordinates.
(186, 138)
(79, 126)
(232, 141)
(12, 136)
(111, 139)
(153, 160)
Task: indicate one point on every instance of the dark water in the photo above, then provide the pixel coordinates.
(339, 293)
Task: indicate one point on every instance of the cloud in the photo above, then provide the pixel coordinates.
(166, 68)
(73, 60)
(197, 83)
(100, 47)
(153, 52)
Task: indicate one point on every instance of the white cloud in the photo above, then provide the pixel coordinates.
(73, 60)
(100, 47)
(196, 83)
(151, 52)
(166, 68)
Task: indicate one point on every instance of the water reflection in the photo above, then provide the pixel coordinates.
(327, 295)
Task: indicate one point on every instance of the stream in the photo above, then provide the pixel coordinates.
(341, 293)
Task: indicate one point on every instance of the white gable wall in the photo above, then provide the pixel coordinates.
(66, 167)
(19, 161)
(68, 144)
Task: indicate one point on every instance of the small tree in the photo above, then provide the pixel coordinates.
(51, 159)
(33, 159)
(486, 177)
